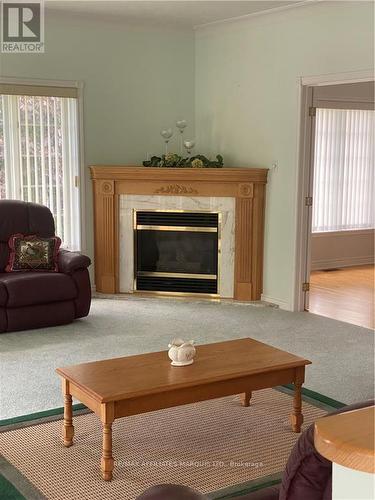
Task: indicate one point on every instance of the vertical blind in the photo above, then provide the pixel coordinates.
(39, 158)
(343, 192)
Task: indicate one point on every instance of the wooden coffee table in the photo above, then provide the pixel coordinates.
(120, 387)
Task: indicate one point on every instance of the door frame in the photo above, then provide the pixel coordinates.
(305, 173)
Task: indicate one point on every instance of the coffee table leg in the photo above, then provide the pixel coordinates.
(68, 429)
(245, 398)
(107, 461)
(296, 417)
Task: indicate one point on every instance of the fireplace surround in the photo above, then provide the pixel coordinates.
(238, 194)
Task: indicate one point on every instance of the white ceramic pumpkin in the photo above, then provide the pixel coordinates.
(181, 353)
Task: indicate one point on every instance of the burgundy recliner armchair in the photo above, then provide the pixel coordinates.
(39, 299)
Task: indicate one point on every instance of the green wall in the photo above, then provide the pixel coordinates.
(137, 80)
(247, 103)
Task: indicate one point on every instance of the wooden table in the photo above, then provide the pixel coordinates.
(347, 440)
(120, 387)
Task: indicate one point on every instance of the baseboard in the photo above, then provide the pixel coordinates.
(345, 262)
(278, 302)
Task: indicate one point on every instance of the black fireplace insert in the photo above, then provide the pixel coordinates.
(177, 252)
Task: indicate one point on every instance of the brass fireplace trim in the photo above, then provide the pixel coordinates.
(191, 229)
(178, 275)
(160, 274)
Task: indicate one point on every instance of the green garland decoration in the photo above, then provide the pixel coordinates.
(173, 160)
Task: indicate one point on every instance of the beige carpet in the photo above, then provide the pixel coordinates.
(208, 446)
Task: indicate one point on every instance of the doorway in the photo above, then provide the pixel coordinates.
(337, 261)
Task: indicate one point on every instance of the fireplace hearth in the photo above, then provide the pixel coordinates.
(177, 251)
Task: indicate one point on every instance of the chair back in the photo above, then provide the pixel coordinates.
(22, 217)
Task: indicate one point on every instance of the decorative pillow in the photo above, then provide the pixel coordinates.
(32, 253)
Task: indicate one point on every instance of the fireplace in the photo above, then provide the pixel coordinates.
(236, 194)
(177, 251)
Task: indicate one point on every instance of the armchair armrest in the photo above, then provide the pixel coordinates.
(68, 262)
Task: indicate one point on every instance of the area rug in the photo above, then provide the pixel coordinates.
(208, 446)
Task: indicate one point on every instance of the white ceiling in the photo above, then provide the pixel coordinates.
(181, 13)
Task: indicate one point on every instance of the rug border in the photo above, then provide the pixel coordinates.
(39, 414)
(244, 488)
(21, 487)
(5, 485)
(318, 397)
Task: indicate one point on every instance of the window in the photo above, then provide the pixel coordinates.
(39, 157)
(344, 170)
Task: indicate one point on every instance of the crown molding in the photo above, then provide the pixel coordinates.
(364, 75)
(282, 8)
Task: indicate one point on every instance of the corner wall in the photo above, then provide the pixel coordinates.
(247, 103)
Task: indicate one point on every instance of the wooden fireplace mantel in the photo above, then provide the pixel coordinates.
(246, 185)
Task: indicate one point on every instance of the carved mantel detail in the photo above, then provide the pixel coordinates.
(246, 185)
(107, 187)
(176, 189)
(246, 190)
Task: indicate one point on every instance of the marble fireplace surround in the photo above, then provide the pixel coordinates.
(226, 206)
(238, 193)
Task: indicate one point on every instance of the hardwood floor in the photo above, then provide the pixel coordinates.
(345, 294)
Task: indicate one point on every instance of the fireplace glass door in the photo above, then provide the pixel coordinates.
(177, 251)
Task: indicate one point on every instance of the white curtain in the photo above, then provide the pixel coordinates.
(343, 195)
(39, 157)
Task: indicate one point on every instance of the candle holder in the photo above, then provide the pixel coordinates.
(166, 134)
(189, 145)
(181, 125)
